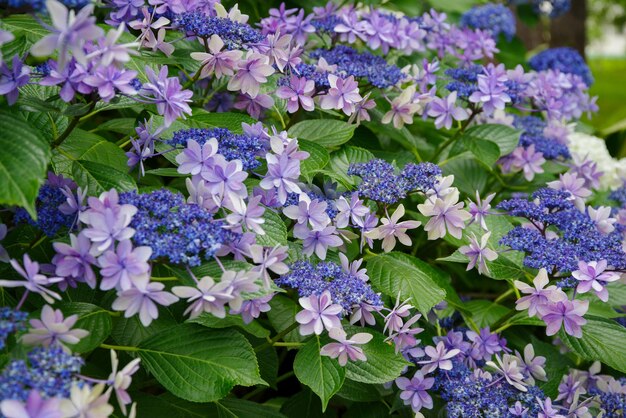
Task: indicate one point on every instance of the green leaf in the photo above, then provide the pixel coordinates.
(486, 152)
(118, 125)
(469, 175)
(383, 363)
(87, 146)
(23, 162)
(200, 364)
(282, 315)
(505, 137)
(92, 318)
(603, 340)
(321, 373)
(130, 331)
(358, 391)
(230, 121)
(100, 177)
(166, 172)
(304, 404)
(318, 158)
(275, 230)
(340, 162)
(398, 273)
(24, 24)
(485, 313)
(210, 321)
(325, 132)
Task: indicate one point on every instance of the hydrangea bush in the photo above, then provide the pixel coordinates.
(336, 210)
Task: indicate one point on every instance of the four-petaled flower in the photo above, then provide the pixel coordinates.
(344, 349)
(319, 313)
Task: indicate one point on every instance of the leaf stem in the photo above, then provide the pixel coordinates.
(271, 342)
(72, 125)
(119, 347)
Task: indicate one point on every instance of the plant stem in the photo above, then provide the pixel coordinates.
(279, 336)
(455, 136)
(286, 344)
(504, 296)
(72, 125)
(119, 347)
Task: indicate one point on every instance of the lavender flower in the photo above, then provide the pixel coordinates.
(414, 391)
(69, 33)
(218, 62)
(353, 210)
(446, 214)
(196, 159)
(298, 92)
(478, 253)
(440, 358)
(533, 366)
(35, 282)
(251, 73)
(564, 313)
(319, 313)
(269, 259)
(35, 406)
(318, 241)
(445, 111)
(593, 275)
(121, 380)
(53, 328)
(570, 183)
(480, 209)
(74, 261)
(249, 215)
(168, 95)
(308, 211)
(344, 349)
(282, 175)
(538, 295)
(142, 298)
(342, 95)
(208, 296)
(511, 371)
(402, 109)
(252, 308)
(602, 218)
(120, 267)
(11, 79)
(392, 229)
(109, 80)
(527, 160)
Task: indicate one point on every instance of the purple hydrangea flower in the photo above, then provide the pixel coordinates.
(251, 73)
(319, 313)
(35, 282)
(53, 328)
(480, 209)
(207, 296)
(318, 241)
(11, 79)
(121, 266)
(509, 368)
(298, 93)
(354, 210)
(69, 33)
(445, 111)
(282, 175)
(109, 80)
(414, 391)
(35, 406)
(342, 95)
(121, 380)
(392, 229)
(308, 211)
(168, 95)
(479, 253)
(271, 259)
(538, 295)
(440, 358)
(74, 261)
(142, 298)
(564, 313)
(344, 349)
(446, 214)
(216, 61)
(593, 275)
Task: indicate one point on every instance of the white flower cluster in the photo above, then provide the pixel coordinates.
(583, 146)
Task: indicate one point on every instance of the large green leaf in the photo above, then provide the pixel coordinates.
(230, 121)
(325, 132)
(275, 230)
(130, 331)
(484, 312)
(25, 25)
(485, 151)
(398, 273)
(603, 340)
(92, 318)
(505, 137)
(24, 157)
(86, 146)
(321, 373)
(383, 363)
(100, 177)
(210, 321)
(282, 315)
(200, 364)
(340, 162)
(469, 175)
(318, 158)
